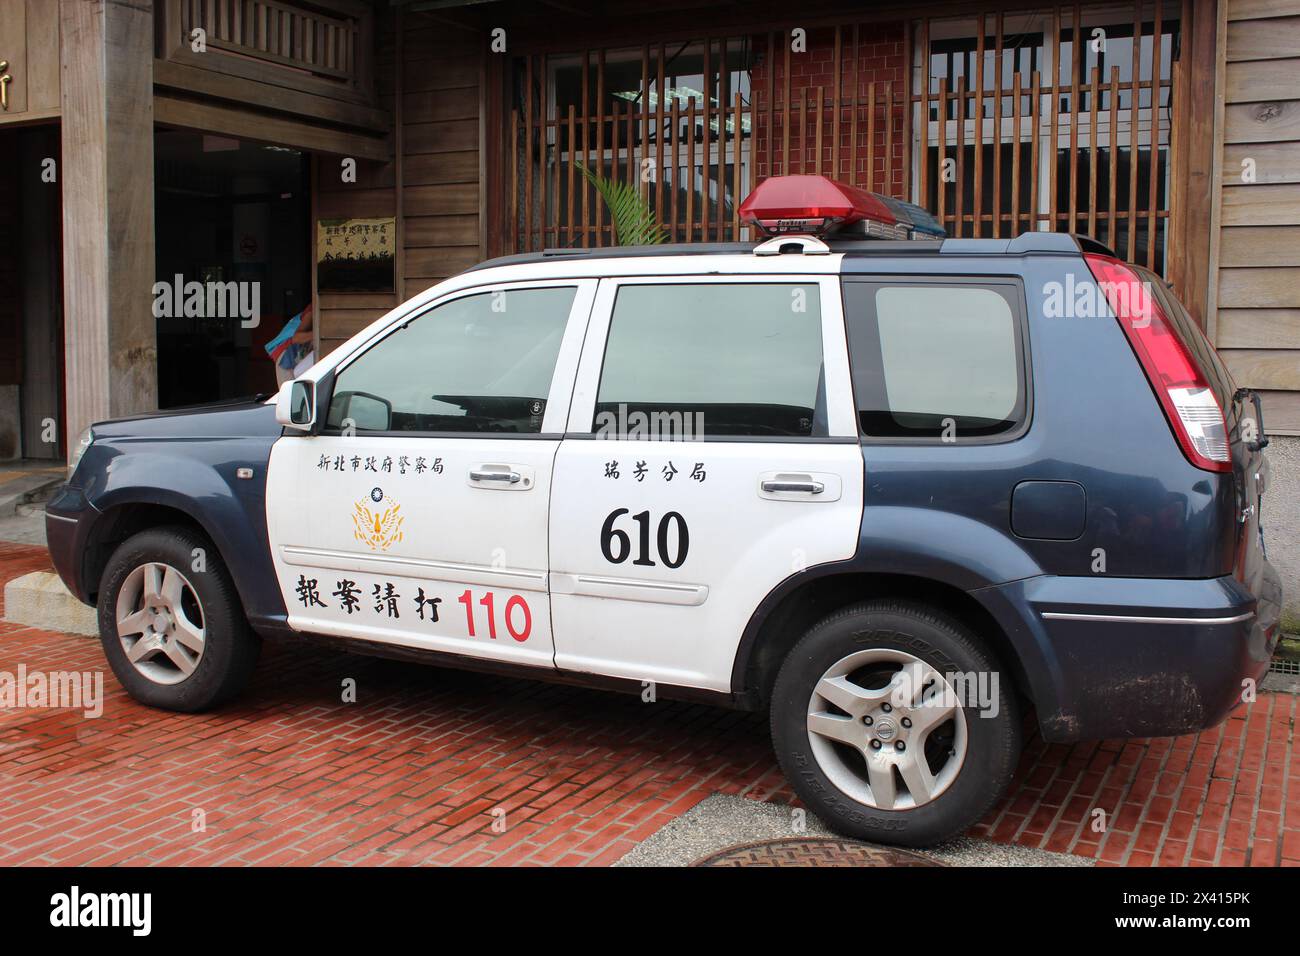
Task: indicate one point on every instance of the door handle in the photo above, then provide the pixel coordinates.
(807, 486)
(5, 80)
(511, 477)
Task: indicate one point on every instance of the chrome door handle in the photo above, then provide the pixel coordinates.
(508, 476)
(808, 487)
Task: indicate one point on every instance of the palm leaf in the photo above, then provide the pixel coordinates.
(634, 221)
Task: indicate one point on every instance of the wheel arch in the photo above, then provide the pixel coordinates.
(804, 599)
(123, 520)
(198, 490)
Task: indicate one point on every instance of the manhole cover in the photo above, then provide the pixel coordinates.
(813, 852)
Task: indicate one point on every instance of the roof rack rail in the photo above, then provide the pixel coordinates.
(1027, 243)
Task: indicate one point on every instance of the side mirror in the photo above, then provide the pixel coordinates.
(295, 406)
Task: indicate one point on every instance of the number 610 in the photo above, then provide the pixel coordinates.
(616, 546)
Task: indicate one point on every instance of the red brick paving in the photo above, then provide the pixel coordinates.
(411, 773)
(1229, 796)
(423, 766)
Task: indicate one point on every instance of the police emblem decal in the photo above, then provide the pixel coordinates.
(380, 527)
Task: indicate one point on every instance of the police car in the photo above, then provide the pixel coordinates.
(899, 490)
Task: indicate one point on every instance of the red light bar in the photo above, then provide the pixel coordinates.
(817, 205)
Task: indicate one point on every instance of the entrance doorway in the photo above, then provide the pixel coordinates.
(31, 297)
(227, 211)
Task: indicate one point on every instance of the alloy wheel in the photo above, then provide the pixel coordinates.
(887, 729)
(160, 623)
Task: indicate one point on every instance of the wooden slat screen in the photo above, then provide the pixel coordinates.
(987, 120)
(1044, 120)
(632, 115)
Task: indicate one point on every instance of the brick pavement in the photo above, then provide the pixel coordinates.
(439, 766)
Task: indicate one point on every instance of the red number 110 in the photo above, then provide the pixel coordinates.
(516, 602)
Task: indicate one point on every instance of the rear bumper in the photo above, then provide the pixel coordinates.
(1136, 657)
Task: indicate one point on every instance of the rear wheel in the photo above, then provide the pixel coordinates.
(171, 622)
(894, 724)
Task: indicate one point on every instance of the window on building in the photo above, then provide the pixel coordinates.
(681, 136)
(723, 359)
(1089, 154)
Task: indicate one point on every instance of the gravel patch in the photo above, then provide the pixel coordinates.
(717, 823)
(966, 851)
(722, 821)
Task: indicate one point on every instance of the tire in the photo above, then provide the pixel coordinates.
(970, 751)
(209, 635)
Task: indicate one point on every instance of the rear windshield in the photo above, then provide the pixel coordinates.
(1194, 340)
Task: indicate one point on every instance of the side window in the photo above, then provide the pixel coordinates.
(935, 361)
(480, 363)
(713, 360)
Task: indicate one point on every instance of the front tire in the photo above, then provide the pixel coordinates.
(895, 724)
(171, 622)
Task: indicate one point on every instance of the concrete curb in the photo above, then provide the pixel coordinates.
(41, 600)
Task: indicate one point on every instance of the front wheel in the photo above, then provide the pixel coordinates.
(171, 622)
(894, 724)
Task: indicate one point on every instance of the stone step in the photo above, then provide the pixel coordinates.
(28, 488)
(40, 599)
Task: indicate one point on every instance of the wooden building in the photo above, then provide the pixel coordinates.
(1165, 128)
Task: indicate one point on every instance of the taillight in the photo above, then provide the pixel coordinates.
(1185, 394)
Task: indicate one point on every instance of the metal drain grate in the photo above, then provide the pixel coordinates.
(1281, 665)
(813, 852)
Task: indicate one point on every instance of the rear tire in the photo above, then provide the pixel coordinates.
(172, 626)
(862, 730)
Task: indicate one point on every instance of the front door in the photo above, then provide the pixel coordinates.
(418, 516)
(712, 453)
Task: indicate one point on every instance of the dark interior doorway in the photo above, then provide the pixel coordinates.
(228, 211)
(31, 296)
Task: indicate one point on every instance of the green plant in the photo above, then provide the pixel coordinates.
(633, 218)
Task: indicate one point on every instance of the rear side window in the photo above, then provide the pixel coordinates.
(937, 361)
(715, 360)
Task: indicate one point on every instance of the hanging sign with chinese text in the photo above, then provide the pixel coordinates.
(355, 255)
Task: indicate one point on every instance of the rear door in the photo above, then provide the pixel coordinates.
(711, 454)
